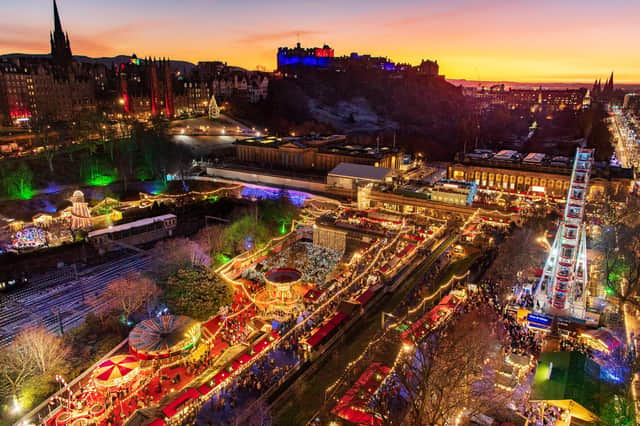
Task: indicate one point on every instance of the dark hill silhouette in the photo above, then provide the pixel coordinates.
(182, 66)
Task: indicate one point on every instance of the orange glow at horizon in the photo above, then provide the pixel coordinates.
(491, 40)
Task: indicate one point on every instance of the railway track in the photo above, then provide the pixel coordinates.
(59, 300)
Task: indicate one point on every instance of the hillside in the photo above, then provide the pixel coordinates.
(425, 114)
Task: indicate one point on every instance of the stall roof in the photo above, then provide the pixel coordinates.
(319, 335)
(176, 405)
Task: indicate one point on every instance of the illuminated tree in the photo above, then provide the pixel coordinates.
(43, 349)
(520, 251)
(245, 234)
(256, 414)
(97, 171)
(16, 367)
(618, 411)
(127, 295)
(196, 292)
(45, 143)
(211, 239)
(619, 243)
(171, 255)
(17, 181)
(449, 372)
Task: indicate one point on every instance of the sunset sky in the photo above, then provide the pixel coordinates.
(516, 40)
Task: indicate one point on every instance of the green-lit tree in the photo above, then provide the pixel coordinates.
(618, 411)
(246, 233)
(97, 171)
(196, 292)
(17, 181)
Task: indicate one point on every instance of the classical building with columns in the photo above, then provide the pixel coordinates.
(548, 178)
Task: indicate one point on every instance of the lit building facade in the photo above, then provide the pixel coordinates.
(544, 100)
(534, 179)
(321, 153)
(42, 89)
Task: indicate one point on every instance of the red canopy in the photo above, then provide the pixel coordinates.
(218, 378)
(204, 389)
(259, 347)
(354, 405)
(158, 422)
(406, 250)
(313, 294)
(244, 358)
(178, 404)
(320, 334)
(365, 297)
(450, 301)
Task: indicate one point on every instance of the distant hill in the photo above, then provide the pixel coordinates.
(183, 66)
(521, 85)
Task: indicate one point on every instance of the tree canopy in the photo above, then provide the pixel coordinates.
(196, 292)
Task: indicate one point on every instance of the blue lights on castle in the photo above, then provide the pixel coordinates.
(314, 57)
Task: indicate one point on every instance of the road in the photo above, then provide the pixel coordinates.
(625, 128)
(60, 298)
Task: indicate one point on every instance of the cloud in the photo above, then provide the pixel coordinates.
(257, 38)
(17, 39)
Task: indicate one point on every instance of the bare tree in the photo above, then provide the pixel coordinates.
(43, 349)
(256, 414)
(619, 244)
(450, 372)
(171, 255)
(518, 252)
(128, 294)
(16, 367)
(211, 239)
(45, 143)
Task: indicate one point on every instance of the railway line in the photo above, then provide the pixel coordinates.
(59, 300)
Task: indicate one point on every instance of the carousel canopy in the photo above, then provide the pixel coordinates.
(116, 369)
(164, 334)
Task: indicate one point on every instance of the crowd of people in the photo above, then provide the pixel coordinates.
(235, 330)
(539, 414)
(313, 262)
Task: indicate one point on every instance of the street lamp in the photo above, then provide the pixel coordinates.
(384, 317)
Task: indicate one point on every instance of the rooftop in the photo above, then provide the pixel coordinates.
(562, 377)
(332, 144)
(550, 164)
(361, 171)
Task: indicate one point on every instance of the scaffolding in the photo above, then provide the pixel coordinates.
(562, 287)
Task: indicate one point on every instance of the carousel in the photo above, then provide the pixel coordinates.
(116, 371)
(164, 337)
(281, 295)
(30, 237)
